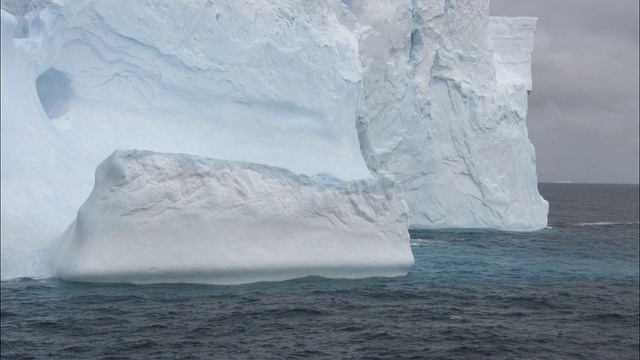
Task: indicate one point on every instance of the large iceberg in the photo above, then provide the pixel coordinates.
(430, 93)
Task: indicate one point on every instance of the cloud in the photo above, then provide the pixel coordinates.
(583, 111)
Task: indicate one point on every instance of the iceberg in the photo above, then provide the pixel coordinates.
(155, 217)
(431, 94)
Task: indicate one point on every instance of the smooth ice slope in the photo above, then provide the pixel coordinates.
(156, 217)
(443, 110)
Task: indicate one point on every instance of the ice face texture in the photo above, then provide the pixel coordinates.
(431, 93)
(443, 111)
(156, 217)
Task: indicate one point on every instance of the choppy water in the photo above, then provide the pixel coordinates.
(570, 291)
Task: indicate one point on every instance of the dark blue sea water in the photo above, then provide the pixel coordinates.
(569, 291)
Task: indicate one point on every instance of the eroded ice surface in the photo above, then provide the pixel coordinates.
(155, 217)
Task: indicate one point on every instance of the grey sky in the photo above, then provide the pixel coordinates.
(583, 111)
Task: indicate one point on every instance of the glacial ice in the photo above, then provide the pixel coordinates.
(432, 93)
(155, 217)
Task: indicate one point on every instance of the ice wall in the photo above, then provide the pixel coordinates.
(155, 217)
(443, 110)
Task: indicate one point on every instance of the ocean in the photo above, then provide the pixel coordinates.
(569, 291)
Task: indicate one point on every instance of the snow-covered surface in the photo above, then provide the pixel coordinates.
(411, 89)
(155, 217)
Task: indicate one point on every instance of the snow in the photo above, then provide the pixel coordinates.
(155, 217)
(430, 93)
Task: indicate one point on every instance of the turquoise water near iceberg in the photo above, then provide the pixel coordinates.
(569, 291)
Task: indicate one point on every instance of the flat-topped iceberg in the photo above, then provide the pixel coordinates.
(155, 217)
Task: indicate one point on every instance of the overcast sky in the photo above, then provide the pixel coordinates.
(583, 111)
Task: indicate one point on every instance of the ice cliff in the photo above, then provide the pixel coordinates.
(443, 110)
(431, 93)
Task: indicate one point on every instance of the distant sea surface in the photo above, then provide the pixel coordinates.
(569, 291)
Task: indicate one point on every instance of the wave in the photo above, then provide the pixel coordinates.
(607, 223)
(424, 242)
(25, 279)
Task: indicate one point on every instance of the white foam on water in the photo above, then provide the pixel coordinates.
(607, 223)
